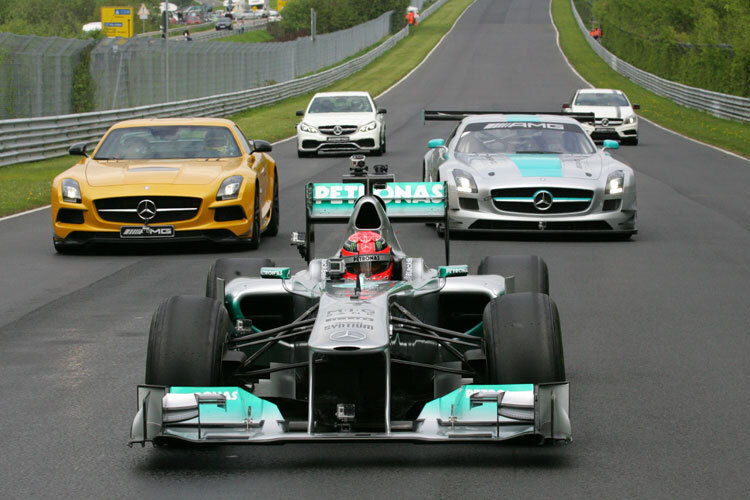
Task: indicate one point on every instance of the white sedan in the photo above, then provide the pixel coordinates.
(341, 122)
(615, 116)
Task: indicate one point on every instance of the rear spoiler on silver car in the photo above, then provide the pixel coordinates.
(434, 115)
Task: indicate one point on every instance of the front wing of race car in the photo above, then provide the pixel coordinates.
(476, 413)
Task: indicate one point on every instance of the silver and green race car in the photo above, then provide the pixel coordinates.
(430, 354)
(530, 172)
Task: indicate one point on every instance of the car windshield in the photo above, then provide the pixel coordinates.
(168, 141)
(601, 99)
(524, 137)
(340, 104)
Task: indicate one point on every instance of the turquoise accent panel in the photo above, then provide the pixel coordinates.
(236, 409)
(538, 165)
(609, 143)
(436, 143)
(523, 118)
(459, 399)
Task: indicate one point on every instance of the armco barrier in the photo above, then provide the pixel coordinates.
(716, 103)
(33, 139)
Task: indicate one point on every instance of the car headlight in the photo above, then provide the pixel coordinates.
(464, 181)
(230, 188)
(368, 126)
(630, 119)
(71, 191)
(308, 128)
(615, 182)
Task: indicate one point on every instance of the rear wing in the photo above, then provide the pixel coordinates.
(409, 202)
(434, 115)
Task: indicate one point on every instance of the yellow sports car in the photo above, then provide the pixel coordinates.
(182, 179)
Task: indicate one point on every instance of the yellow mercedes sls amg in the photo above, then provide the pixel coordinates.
(174, 179)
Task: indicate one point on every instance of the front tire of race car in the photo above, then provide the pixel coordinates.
(233, 267)
(529, 271)
(186, 342)
(523, 340)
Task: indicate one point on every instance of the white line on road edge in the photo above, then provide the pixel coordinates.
(293, 136)
(552, 20)
(24, 213)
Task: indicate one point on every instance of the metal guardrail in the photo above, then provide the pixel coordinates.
(34, 139)
(718, 104)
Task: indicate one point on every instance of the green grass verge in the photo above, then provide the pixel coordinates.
(253, 36)
(727, 134)
(27, 185)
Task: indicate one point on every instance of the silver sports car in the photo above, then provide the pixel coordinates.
(530, 173)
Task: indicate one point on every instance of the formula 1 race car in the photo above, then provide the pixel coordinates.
(368, 344)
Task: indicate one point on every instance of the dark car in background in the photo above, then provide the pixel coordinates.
(224, 23)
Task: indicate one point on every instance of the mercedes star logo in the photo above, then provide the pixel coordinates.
(542, 200)
(146, 210)
(605, 122)
(337, 130)
(347, 336)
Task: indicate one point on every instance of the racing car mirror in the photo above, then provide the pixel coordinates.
(610, 144)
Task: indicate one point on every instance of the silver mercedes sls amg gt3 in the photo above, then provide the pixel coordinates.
(530, 172)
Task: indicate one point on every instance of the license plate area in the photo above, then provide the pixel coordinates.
(340, 138)
(604, 129)
(149, 232)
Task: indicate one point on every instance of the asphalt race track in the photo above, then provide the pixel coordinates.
(655, 329)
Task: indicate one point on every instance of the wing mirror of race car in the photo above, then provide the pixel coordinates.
(610, 144)
(79, 148)
(566, 106)
(636, 106)
(382, 111)
(300, 112)
(435, 143)
(260, 146)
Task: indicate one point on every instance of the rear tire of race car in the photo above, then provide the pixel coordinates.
(229, 268)
(529, 271)
(273, 225)
(523, 340)
(186, 342)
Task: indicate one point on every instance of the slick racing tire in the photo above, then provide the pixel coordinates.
(273, 225)
(186, 342)
(529, 271)
(230, 268)
(523, 340)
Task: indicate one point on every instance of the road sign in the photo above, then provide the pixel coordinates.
(117, 21)
(143, 12)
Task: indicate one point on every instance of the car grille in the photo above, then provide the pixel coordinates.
(521, 200)
(500, 225)
(611, 122)
(345, 129)
(168, 208)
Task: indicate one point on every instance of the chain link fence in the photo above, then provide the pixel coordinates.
(137, 72)
(36, 74)
(32, 139)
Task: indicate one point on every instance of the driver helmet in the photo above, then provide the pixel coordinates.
(367, 252)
